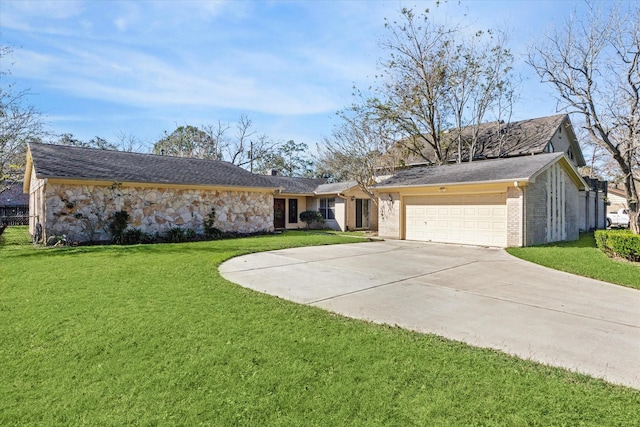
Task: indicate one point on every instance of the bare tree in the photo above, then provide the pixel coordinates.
(248, 147)
(240, 151)
(359, 149)
(129, 143)
(479, 82)
(413, 96)
(594, 64)
(213, 142)
(216, 135)
(434, 81)
(438, 84)
(19, 125)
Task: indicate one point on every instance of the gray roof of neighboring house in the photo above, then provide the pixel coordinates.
(295, 185)
(496, 139)
(513, 168)
(13, 196)
(335, 187)
(60, 161)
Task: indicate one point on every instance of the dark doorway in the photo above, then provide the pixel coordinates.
(362, 213)
(278, 213)
(293, 211)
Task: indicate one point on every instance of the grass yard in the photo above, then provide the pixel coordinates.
(583, 258)
(153, 336)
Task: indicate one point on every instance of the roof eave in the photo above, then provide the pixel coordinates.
(520, 181)
(93, 181)
(26, 184)
(568, 164)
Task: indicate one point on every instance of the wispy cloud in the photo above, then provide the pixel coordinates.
(292, 63)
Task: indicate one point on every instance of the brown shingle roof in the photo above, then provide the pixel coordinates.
(509, 169)
(60, 161)
(335, 187)
(496, 139)
(295, 185)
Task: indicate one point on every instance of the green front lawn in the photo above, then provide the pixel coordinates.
(152, 335)
(583, 258)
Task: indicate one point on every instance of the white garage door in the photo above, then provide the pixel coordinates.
(466, 219)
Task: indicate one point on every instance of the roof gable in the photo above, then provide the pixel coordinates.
(295, 185)
(90, 164)
(335, 187)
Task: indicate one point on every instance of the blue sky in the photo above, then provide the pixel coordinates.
(103, 68)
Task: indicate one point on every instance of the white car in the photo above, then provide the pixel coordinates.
(619, 219)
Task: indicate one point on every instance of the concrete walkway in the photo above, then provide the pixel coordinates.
(480, 296)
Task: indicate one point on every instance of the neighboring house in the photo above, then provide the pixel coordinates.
(523, 188)
(72, 191)
(342, 205)
(14, 205)
(617, 198)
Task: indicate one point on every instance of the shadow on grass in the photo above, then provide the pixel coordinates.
(229, 246)
(586, 240)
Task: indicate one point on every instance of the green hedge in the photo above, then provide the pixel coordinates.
(620, 243)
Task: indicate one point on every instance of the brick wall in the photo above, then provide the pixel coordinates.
(552, 208)
(514, 216)
(389, 214)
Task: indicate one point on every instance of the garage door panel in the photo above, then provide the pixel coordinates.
(469, 219)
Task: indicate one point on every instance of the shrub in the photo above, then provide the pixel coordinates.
(310, 217)
(173, 235)
(620, 243)
(190, 234)
(118, 223)
(210, 230)
(178, 235)
(134, 236)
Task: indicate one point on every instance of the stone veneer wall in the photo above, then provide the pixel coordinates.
(81, 212)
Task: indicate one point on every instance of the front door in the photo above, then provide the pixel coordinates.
(362, 213)
(278, 213)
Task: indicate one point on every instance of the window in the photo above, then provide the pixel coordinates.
(293, 211)
(570, 153)
(328, 208)
(548, 148)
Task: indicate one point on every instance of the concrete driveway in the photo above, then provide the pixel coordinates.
(480, 296)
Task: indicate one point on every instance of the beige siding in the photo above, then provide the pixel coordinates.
(616, 202)
(371, 220)
(36, 202)
(340, 222)
(302, 206)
